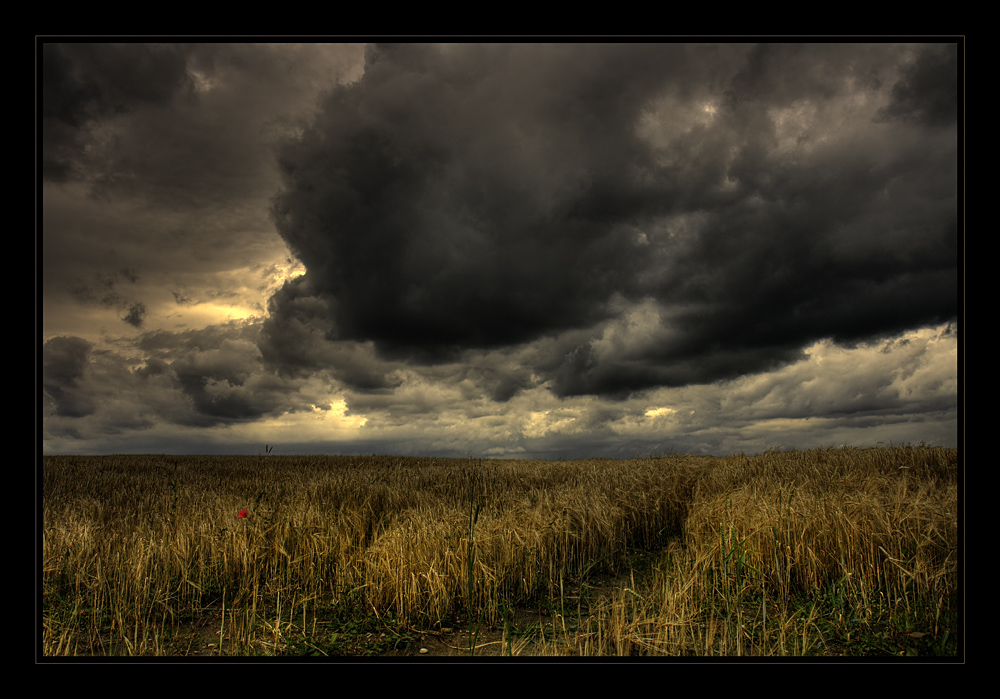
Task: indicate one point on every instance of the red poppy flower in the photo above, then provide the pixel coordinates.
(242, 514)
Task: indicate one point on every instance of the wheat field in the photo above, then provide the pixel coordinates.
(827, 552)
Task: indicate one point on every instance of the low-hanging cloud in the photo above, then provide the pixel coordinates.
(518, 249)
(741, 202)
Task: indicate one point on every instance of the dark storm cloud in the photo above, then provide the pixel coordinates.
(486, 226)
(759, 198)
(471, 196)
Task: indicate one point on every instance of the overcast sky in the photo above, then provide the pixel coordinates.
(522, 250)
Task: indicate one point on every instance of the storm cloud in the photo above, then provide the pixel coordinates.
(715, 208)
(523, 249)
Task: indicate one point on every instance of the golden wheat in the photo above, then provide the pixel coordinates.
(133, 547)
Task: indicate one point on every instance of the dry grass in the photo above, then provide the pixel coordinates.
(745, 555)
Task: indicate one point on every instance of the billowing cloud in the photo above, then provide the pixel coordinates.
(517, 249)
(738, 203)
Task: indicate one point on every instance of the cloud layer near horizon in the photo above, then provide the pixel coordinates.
(538, 247)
